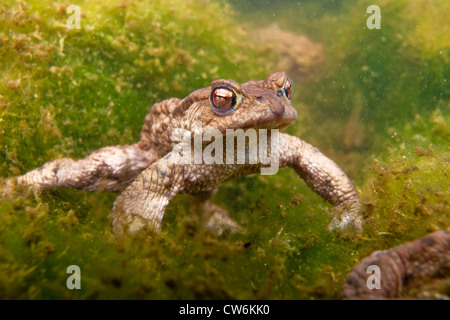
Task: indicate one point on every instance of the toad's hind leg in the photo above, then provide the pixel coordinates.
(213, 217)
(107, 169)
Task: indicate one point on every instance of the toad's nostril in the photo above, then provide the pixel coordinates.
(278, 109)
(260, 100)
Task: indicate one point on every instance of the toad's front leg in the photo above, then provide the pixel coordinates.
(143, 203)
(324, 177)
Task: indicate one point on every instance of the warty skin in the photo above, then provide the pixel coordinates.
(148, 175)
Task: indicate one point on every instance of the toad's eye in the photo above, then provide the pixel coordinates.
(222, 100)
(288, 89)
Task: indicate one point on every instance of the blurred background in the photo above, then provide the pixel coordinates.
(376, 101)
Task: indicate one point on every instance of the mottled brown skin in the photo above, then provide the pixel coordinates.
(148, 175)
(402, 268)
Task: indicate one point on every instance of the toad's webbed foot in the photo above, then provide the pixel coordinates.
(9, 188)
(214, 218)
(219, 222)
(347, 216)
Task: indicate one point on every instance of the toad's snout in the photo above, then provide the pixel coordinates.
(278, 109)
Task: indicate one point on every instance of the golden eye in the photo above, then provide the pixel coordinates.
(288, 89)
(222, 100)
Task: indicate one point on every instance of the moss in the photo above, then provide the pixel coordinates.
(62, 87)
(68, 92)
(407, 190)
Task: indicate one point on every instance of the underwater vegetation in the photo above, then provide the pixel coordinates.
(68, 92)
(372, 79)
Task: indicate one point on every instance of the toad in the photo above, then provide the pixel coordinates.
(422, 265)
(149, 173)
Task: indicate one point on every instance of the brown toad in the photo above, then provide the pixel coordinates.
(422, 265)
(149, 173)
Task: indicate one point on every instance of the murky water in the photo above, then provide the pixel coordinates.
(372, 93)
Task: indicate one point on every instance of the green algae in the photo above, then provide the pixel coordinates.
(66, 93)
(66, 84)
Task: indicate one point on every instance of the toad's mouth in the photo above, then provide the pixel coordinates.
(280, 125)
(268, 120)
